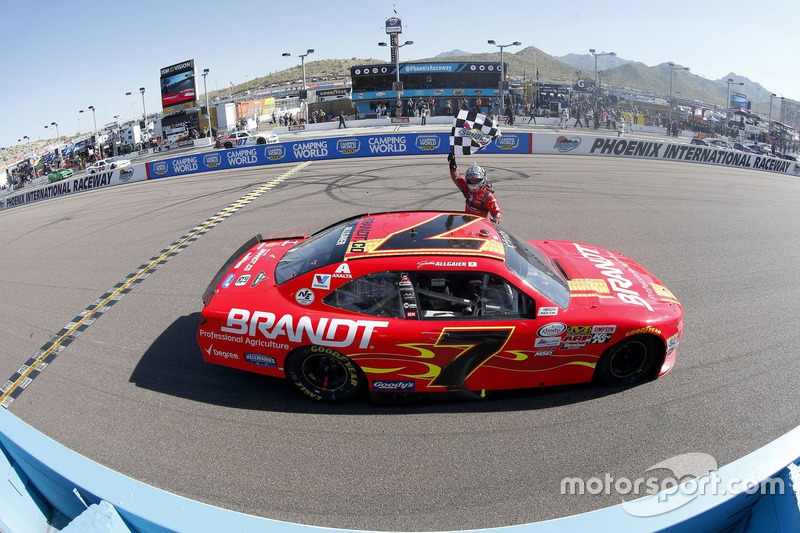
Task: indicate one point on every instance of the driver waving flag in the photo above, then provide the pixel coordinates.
(472, 132)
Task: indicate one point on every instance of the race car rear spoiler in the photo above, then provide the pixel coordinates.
(212, 287)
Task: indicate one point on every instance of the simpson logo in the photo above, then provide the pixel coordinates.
(547, 311)
(566, 144)
(212, 160)
(160, 168)
(125, 174)
(393, 385)
(260, 360)
(508, 143)
(275, 153)
(348, 146)
(428, 143)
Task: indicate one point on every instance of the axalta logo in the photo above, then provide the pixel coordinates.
(508, 143)
(238, 158)
(621, 285)
(160, 168)
(333, 332)
(348, 146)
(566, 144)
(212, 160)
(275, 153)
(428, 143)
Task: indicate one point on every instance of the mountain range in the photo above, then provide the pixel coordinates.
(525, 63)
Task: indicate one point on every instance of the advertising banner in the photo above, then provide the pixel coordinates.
(335, 148)
(73, 185)
(178, 85)
(544, 143)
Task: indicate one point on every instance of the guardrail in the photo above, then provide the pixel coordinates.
(45, 479)
(395, 144)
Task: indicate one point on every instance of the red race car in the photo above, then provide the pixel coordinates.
(434, 302)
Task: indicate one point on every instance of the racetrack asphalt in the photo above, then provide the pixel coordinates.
(133, 392)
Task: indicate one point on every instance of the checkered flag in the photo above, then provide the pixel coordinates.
(471, 132)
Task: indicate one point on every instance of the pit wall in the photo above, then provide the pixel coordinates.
(395, 144)
(49, 487)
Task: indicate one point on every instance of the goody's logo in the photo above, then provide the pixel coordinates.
(212, 160)
(393, 385)
(275, 153)
(566, 144)
(160, 167)
(348, 146)
(428, 143)
(507, 143)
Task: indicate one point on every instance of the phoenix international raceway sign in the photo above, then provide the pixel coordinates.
(118, 176)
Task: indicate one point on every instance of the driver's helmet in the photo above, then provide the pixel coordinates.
(475, 178)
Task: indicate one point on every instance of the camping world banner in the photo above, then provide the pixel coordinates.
(472, 132)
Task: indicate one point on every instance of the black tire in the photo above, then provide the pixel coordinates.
(629, 362)
(324, 374)
(261, 140)
(228, 145)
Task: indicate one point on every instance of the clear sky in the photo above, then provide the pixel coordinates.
(63, 56)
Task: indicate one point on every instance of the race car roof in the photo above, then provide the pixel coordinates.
(424, 233)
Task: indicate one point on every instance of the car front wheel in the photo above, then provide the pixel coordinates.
(324, 374)
(261, 140)
(629, 362)
(228, 145)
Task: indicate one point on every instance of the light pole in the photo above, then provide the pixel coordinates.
(30, 156)
(144, 112)
(398, 88)
(769, 124)
(596, 84)
(672, 68)
(116, 137)
(208, 111)
(728, 101)
(304, 94)
(96, 137)
(503, 70)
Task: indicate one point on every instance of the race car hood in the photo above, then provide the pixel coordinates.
(250, 268)
(600, 277)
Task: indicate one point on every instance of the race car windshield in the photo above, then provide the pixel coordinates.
(532, 267)
(321, 249)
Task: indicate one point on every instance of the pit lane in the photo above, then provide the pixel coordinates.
(133, 393)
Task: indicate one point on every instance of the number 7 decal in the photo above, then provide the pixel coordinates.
(479, 344)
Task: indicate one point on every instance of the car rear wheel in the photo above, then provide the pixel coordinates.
(228, 145)
(629, 362)
(261, 140)
(324, 374)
